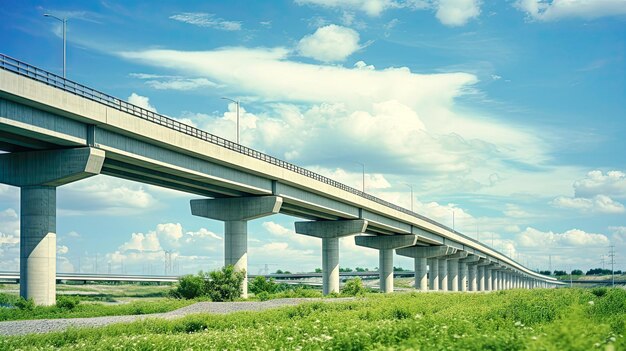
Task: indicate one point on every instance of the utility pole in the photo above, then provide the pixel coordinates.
(612, 256)
(363, 176)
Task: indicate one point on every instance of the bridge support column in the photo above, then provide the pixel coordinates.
(330, 232)
(453, 274)
(431, 254)
(421, 274)
(467, 268)
(433, 274)
(488, 280)
(385, 246)
(235, 212)
(38, 174)
(472, 275)
(480, 279)
(462, 276)
(443, 274)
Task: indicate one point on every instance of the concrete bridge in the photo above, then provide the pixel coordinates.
(57, 131)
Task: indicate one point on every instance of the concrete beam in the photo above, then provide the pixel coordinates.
(38, 173)
(331, 229)
(385, 244)
(50, 167)
(426, 251)
(330, 232)
(235, 213)
(236, 208)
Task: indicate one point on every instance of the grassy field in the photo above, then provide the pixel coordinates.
(94, 301)
(557, 319)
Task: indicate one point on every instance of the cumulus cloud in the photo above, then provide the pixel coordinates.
(596, 192)
(597, 204)
(329, 43)
(551, 10)
(207, 20)
(613, 183)
(532, 237)
(106, 196)
(457, 12)
(141, 101)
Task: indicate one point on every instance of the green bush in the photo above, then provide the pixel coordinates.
(190, 286)
(23, 304)
(354, 287)
(67, 302)
(259, 284)
(263, 296)
(225, 284)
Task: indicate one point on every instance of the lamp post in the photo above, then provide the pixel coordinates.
(363, 176)
(64, 21)
(236, 102)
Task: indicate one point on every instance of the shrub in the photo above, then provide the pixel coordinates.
(190, 286)
(225, 284)
(599, 292)
(259, 284)
(23, 304)
(263, 296)
(67, 302)
(354, 287)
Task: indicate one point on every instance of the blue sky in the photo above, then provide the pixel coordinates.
(509, 114)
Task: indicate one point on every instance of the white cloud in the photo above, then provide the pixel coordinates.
(105, 195)
(207, 20)
(545, 10)
(9, 222)
(181, 84)
(595, 193)
(457, 12)
(370, 7)
(613, 184)
(619, 234)
(141, 101)
(532, 237)
(62, 249)
(329, 43)
(597, 204)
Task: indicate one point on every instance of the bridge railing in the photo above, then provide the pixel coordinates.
(10, 64)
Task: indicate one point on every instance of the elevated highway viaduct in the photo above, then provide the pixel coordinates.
(56, 131)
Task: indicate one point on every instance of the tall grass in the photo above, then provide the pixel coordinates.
(561, 319)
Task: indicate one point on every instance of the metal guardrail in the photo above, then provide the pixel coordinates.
(24, 69)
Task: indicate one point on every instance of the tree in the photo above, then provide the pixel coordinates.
(279, 271)
(318, 270)
(345, 269)
(359, 269)
(545, 272)
(259, 284)
(225, 284)
(354, 287)
(398, 269)
(190, 286)
(577, 272)
(560, 273)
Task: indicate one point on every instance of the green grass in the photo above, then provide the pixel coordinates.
(558, 319)
(89, 309)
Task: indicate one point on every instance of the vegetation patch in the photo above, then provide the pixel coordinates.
(556, 319)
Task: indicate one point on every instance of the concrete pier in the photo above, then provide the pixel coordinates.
(330, 232)
(453, 274)
(433, 274)
(235, 212)
(38, 174)
(429, 254)
(385, 246)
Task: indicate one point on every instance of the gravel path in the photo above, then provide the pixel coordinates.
(49, 325)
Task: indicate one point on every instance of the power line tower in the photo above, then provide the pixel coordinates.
(168, 262)
(612, 256)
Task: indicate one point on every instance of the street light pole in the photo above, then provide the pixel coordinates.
(64, 21)
(236, 102)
